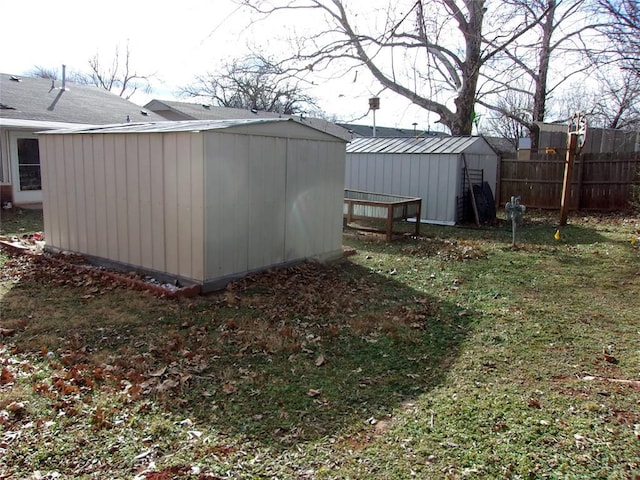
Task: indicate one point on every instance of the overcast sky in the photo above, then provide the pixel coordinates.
(175, 40)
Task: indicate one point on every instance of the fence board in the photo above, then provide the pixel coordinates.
(600, 181)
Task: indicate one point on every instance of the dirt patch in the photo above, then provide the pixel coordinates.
(449, 250)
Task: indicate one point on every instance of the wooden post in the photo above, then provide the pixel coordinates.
(389, 223)
(572, 142)
(473, 197)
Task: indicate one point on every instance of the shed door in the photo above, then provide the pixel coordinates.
(25, 163)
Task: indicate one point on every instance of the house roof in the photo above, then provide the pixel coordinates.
(367, 131)
(173, 110)
(41, 99)
(440, 144)
(179, 126)
(199, 111)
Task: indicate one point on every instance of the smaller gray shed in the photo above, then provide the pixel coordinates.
(439, 170)
(201, 201)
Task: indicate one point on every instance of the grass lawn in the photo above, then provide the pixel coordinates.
(452, 355)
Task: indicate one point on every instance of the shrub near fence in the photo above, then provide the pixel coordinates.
(600, 181)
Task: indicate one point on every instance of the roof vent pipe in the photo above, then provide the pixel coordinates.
(64, 78)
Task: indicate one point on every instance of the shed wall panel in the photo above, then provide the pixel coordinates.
(132, 212)
(49, 191)
(88, 181)
(227, 206)
(79, 200)
(266, 220)
(100, 188)
(157, 240)
(122, 205)
(70, 188)
(183, 182)
(197, 237)
(315, 191)
(111, 196)
(144, 195)
(170, 201)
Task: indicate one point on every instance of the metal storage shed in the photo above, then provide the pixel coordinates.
(432, 168)
(201, 201)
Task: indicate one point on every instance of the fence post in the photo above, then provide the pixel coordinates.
(572, 143)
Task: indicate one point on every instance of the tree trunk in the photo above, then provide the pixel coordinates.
(544, 57)
(465, 101)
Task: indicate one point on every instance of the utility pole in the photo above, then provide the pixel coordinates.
(374, 104)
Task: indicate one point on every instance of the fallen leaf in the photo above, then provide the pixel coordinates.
(168, 384)
(229, 388)
(7, 332)
(320, 360)
(6, 376)
(15, 407)
(313, 392)
(534, 403)
(144, 454)
(159, 372)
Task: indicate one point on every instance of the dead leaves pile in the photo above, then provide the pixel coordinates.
(59, 269)
(307, 291)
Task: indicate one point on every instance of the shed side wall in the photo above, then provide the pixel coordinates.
(270, 200)
(127, 199)
(315, 192)
(432, 177)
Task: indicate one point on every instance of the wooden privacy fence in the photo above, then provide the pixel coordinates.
(600, 181)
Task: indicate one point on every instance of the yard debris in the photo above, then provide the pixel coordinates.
(623, 381)
(71, 269)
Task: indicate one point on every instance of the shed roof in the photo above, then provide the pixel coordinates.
(198, 111)
(180, 126)
(427, 145)
(42, 99)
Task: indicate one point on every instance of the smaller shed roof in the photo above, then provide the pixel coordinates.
(427, 145)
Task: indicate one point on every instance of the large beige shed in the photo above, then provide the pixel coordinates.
(204, 202)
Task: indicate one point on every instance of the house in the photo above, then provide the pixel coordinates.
(200, 201)
(29, 105)
(174, 110)
(440, 170)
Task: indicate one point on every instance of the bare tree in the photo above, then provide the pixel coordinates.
(559, 49)
(624, 30)
(507, 119)
(118, 75)
(431, 53)
(614, 101)
(253, 82)
(54, 74)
